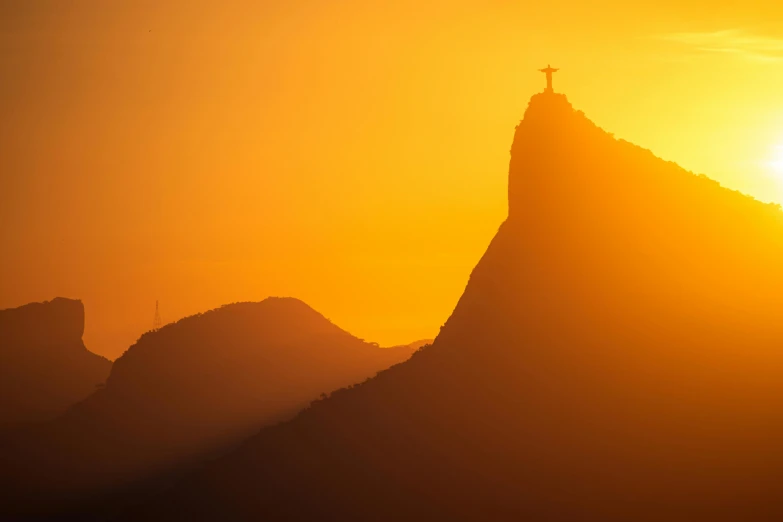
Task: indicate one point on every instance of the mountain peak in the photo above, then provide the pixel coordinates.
(552, 145)
(548, 104)
(45, 365)
(46, 322)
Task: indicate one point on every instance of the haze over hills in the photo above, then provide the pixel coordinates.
(415, 345)
(180, 395)
(44, 365)
(617, 355)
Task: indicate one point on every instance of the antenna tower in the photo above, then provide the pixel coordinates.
(157, 323)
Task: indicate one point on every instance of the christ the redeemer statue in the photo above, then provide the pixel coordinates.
(548, 71)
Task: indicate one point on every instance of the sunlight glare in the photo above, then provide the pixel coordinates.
(776, 162)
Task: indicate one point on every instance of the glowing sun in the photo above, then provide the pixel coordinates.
(776, 162)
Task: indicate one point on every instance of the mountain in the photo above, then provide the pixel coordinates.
(181, 395)
(44, 365)
(616, 355)
(415, 345)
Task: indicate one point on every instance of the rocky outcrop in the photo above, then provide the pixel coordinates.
(44, 365)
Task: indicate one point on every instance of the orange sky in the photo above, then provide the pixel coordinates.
(350, 153)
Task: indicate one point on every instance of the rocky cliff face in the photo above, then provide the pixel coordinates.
(616, 355)
(44, 365)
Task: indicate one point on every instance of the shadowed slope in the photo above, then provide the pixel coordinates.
(44, 366)
(182, 393)
(617, 355)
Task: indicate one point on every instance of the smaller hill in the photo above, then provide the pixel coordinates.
(415, 345)
(179, 396)
(44, 365)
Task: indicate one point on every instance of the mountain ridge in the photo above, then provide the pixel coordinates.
(178, 397)
(615, 356)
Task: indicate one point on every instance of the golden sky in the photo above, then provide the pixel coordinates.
(352, 153)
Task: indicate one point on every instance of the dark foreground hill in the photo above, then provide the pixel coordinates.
(180, 395)
(44, 365)
(617, 355)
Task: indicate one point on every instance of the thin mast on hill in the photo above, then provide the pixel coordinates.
(548, 71)
(156, 323)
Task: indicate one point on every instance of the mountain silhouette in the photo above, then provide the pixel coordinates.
(616, 355)
(180, 395)
(44, 365)
(415, 345)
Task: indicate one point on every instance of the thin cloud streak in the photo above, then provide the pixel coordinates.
(731, 41)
